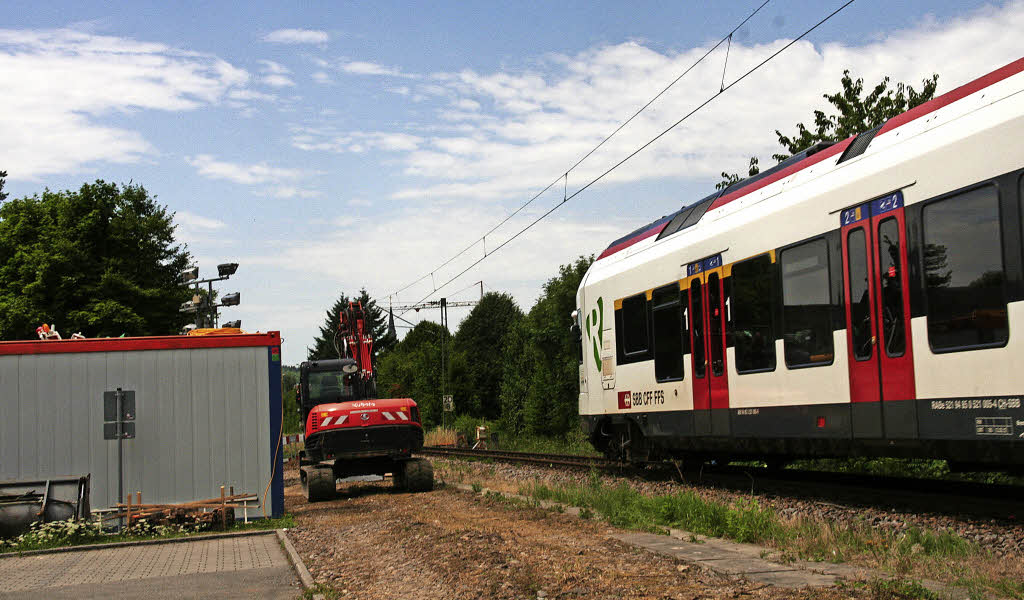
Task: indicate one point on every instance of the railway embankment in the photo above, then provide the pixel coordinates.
(984, 556)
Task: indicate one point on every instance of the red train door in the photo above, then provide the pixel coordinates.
(879, 350)
(707, 342)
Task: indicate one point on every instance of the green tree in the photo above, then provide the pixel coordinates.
(852, 113)
(477, 360)
(3, 177)
(376, 324)
(289, 379)
(539, 390)
(412, 370)
(101, 260)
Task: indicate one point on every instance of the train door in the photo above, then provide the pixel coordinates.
(878, 317)
(707, 306)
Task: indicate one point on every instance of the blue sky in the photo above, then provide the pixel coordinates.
(333, 146)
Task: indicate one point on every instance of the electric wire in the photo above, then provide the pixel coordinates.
(642, 147)
(565, 176)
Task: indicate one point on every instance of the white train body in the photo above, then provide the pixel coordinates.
(872, 291)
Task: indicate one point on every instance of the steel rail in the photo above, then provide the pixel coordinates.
(750, 476)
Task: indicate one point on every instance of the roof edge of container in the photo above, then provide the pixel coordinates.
(131, 344)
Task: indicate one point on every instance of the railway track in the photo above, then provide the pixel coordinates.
(996, 499)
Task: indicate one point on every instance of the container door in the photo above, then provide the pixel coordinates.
(877, 316)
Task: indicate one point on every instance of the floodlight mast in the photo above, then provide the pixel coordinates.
(206, 310)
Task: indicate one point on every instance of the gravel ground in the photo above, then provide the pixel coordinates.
(1005, 537)
(374, 543)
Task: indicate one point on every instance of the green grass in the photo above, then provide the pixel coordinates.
(899, 589)
(913, 553)
(44, 536)
(622, 506)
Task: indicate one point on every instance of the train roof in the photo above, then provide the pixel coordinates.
(690, 215)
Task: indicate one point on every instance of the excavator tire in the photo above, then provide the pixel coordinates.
(415, 475)
(319, 483)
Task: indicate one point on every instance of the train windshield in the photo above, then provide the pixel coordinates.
(328, 386)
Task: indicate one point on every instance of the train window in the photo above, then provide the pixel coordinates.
(715, 325)
(890, 278)
(860, 303)
(963, 269)
(634, 322)
(697, 327)
(807, 310)
(668, 334)
(752, 296)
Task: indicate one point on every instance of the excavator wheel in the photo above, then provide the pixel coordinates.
(415, 475)
(318, 483)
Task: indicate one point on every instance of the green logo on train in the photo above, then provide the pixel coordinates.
(596, 319)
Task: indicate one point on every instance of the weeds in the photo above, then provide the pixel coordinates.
(899, 589)
(622, 506)
(43, 536)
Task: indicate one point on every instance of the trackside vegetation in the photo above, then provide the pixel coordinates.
(907, 555)
(58, 534)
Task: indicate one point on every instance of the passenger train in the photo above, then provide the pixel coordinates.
(862, 298)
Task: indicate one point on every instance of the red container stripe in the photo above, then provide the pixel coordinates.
(171, 342)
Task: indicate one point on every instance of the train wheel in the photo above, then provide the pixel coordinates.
(416, 475)
(319, 483)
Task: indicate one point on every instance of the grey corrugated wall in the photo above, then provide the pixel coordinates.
(202, 421)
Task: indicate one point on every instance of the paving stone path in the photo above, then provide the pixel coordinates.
(238, 567)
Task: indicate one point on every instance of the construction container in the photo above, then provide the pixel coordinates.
(208, 413)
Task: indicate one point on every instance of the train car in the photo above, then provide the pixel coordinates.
(862, 298)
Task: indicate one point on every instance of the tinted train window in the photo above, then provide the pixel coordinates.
(634, 322)
(860, 302)
(668, 333)
(890, 278)
(963, 269)
(697, 327)
(752, 295)
(807, 312)
(715, 324)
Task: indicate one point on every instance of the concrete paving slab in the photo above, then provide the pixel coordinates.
(741, 565)
(721, 556)
(227, 567)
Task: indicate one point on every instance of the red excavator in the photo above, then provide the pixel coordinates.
(348, 430)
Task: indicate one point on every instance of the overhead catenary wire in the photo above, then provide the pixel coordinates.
(565, 176)
(642, 147)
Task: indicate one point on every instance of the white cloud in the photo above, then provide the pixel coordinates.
(321, 77)
(194, 229)
(276, 80)
(287, 191)
(324, 139)
(250, 95)
(275, 181)
(297, 36)
(270, 66)
(510, 133)
(194, 221)
(49, 129)
(369, 68)
(414, 239)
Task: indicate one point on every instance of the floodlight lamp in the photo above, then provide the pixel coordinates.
(236, 324)
(227, 269)
(190, 274)
(230, 299)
